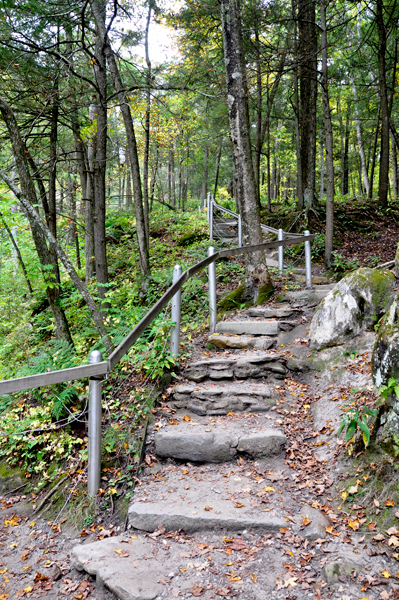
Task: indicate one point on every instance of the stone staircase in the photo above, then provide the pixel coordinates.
(221, 414)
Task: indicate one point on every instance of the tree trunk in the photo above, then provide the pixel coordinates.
(307, 51)
(257, 279)
(362, 154)
(204, 189)
(28, 188)
(100, 156)
(384, 154)
(345, 182)
(329, 140)
(17, 252)
(147, 123)
(395, 167)
(374, 157)
(97, 8)
(217, 167)
(90, 263)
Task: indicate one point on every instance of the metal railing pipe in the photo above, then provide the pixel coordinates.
(239, 232)
(212, 292)
(308, 261)
(280, 252)
(211, 218)
(176, 314)
(94, 443)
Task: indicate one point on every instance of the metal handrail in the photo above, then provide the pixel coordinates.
(105, 367)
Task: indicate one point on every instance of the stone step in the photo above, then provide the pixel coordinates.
(240, 342)
(198, 505)
(245, 327)
(309, 297)
(316, 279)
(222, 399)
(239, 367)
(205, 442)
(273, 312)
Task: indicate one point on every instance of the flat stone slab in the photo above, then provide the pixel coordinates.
(240, 342)
(248, 327)
(239, 367)
(132, 577)
(193, 442)
(272, 313)
(208, 399)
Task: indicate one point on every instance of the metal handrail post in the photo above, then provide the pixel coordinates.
(176, 313)
(239, 232)
(94, 443)
(211, 218)
(213, 316)
(308, 262)
(280, 251)
(207, 205)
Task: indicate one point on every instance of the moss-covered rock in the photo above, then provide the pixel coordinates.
(355, 304)
(242, 297)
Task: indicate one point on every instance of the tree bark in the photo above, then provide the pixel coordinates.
(90, 264)
(97, 9)
(329, 140)
(257, 279)
(100, 156)
(18, 253)
(307, 51)
(383, 181)
(362, 154)
(147, 123)
(374, 157)
(204, 188)
(28, 189)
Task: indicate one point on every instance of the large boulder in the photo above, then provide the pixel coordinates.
(385, 365)
(355, 304)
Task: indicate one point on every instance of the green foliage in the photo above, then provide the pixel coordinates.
(341, 265)
(391, 388)
(318, 247)
(354, 419)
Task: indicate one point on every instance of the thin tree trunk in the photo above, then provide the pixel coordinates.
(374, 157)
(384, 154)
(28, 187)
(100, 156)
(321, 165)
(17, 252)
(362, 154)
(90, 263)
(147, 123)
(257, 279)
(217, 167)
(204, 189)
(395, 167)
(329, 140)
(307, 51)
(97, 9)
(345, 189)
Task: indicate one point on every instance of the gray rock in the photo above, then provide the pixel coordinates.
(270, 313)
(248, 327)
(310, 297)
(317, 528)
(334, 570)
(240, 342)
(174, 516)
(215, 446)
(355, 304)
(130, 578)
(255, 365)
(298, 364)
(269, 442)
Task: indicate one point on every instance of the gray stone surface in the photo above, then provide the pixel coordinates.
(269, 442)
(175, 516)
(356, 303)
(129, 578)
(317, 528)
(240, 342)
(212, 446)
(219, 400)
(335, 570)
(248, 327)
(197, 443)
(309, 297)
(270, 313)
(240, 367)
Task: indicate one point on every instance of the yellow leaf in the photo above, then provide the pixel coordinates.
(27, 568)
(208, 508)
(32, 524)
(235, 578)
(183, 570)
(254, 578)
(386, 574)
(306, 406)
(113, 491)
(354, 525)
(239, 505)
(268, 488)
(344, 495)
(4, 596)
(2, 571)
(28, 589)
(187, 418)
(231, 414)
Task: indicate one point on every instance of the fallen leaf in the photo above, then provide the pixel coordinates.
(353, 489)
(386, 574)
(389, 502)
(268, 488)
(208, 508)
(354, 525)
(187, 418)
(254, 578)
(197, 590)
